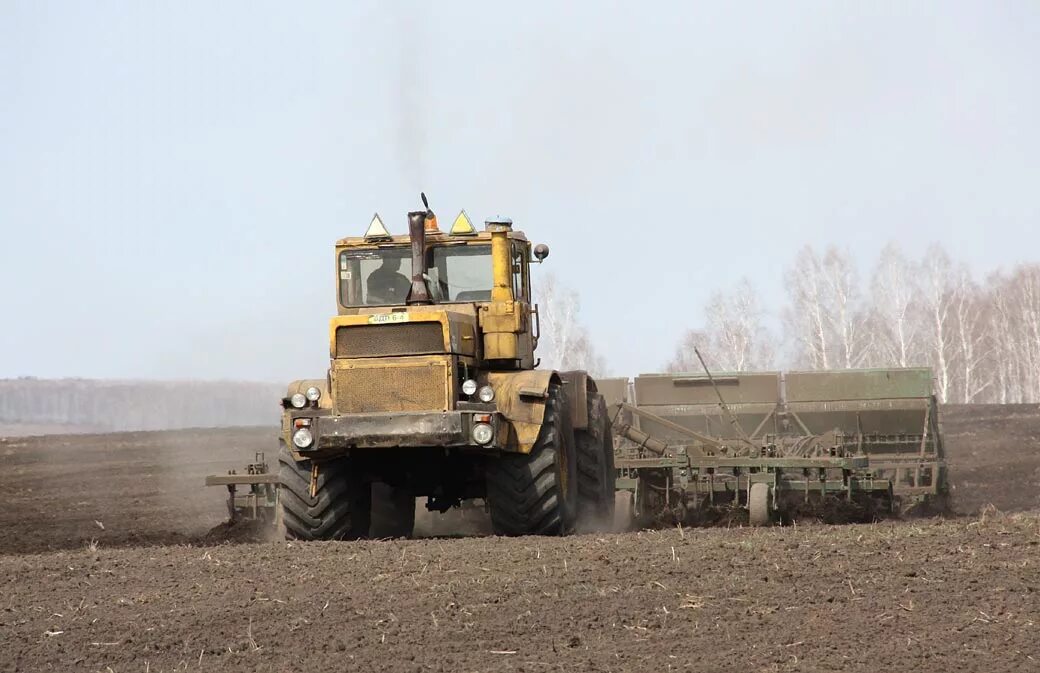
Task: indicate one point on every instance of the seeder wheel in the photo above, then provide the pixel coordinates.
(759, 512)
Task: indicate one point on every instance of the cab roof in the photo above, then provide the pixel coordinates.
(431, 238)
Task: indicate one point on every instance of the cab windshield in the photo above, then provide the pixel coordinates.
(382, 276)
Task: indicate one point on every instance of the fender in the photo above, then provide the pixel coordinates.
(578, 385)
(324, 402)
(520, 398)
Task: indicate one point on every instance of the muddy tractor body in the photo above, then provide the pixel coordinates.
(840, 445)
(432, 391)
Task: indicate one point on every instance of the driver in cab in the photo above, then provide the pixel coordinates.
(387, 285)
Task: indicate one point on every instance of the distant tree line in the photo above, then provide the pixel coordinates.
(138, 405)
(981, 338)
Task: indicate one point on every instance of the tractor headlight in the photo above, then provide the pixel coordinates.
(483, 433)
(298, 400)
(313, 393)
(302, 438)
(469, 386)
(486, 394)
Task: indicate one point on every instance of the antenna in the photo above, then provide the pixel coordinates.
(426, 204)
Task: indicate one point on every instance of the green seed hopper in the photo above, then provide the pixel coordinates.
(845, 445)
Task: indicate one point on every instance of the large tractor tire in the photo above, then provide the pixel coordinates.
(339, 509)
(393, 512)
(595, 455)
(537, 493)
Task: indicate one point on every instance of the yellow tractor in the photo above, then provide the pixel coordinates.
(433, 391)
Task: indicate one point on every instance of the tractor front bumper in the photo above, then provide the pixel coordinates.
(391, 430)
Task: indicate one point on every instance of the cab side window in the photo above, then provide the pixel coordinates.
(520, 282)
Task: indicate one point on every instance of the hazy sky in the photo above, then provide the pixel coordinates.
(173, 175)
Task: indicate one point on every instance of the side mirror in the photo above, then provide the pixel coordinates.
(541, 251)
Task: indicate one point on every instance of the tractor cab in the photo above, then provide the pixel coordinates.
(375, 269)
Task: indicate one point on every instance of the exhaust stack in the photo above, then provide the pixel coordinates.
(419, 293)
(503, 317)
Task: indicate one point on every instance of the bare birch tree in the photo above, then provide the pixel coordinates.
(844, 313)
(826, 317)
(685, 360)
(1000, 322)
(735, 339)
(981, 342)
(565, 343)
(805, 318)
(970, 336)
(937, 304)
(897, 326)
(1025, 291)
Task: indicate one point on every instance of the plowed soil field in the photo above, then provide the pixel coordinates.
(112, 559)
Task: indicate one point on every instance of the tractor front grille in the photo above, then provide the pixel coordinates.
(373, 341)
(389, 387)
